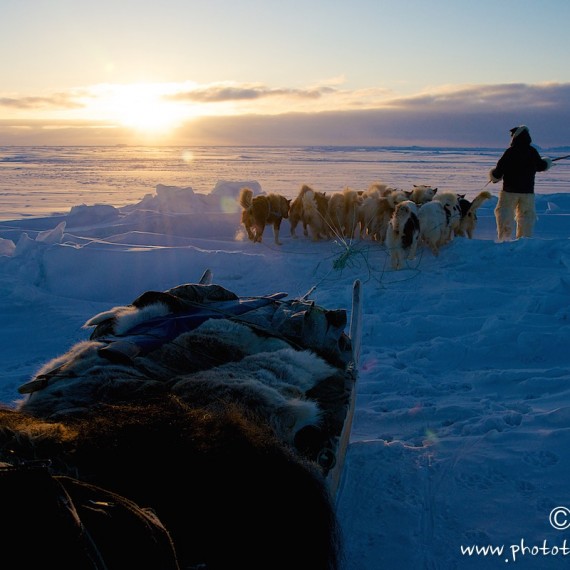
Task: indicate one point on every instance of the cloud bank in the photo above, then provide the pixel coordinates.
(456, 116)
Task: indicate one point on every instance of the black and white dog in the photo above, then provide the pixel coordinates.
(468, 222)
(403, 233)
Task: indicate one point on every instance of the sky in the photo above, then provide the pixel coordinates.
(460, 433)
(375, 72)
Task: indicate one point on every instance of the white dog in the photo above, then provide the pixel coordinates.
(403, 233)
(433, 225)
(422, 193)
(439, 220)
(450, 204)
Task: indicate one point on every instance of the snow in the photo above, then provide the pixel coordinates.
(462, 416)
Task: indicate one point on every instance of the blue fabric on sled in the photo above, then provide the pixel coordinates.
(152, 334)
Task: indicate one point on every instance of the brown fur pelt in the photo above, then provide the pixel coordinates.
(229, 492)
(262, 210)
(58, 521)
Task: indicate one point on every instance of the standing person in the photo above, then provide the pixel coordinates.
(517, 168)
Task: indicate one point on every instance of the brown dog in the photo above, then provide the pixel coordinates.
(342, 213)
(315, 207)
(261, 210)
(296, 213)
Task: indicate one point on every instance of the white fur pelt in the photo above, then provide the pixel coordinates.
(272, 385)
(219, 360)
(128, 316)
(403, 233)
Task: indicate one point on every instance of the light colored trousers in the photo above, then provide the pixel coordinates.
(515, 210)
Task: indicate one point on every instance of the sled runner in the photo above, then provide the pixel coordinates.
(335, 475)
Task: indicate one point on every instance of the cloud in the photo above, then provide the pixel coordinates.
(463, 98)
(55, 101)
(328, 96)
(499, 97)
(233, 98)
(218, 93)
(470, 117)
(513, 99)
(464, 115)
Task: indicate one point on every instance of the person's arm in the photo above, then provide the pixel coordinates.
(496, 174)
(542, 163)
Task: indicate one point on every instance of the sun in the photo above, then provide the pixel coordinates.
(144, 107)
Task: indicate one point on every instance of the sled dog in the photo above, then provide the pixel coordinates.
(259, 211)
(468, 222)
(403, 233)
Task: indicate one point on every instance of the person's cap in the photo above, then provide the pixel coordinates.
(516, 131)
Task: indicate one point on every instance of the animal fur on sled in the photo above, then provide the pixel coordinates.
(206, 363)
(59, 521)
(259, 211)
(230, 493)
(219, 430)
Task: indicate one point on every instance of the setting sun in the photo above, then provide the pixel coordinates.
(143, 107)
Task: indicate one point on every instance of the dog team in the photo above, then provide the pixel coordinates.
(401, 220)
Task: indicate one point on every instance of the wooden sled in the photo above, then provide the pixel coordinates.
(226, 416)
(299, 323)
